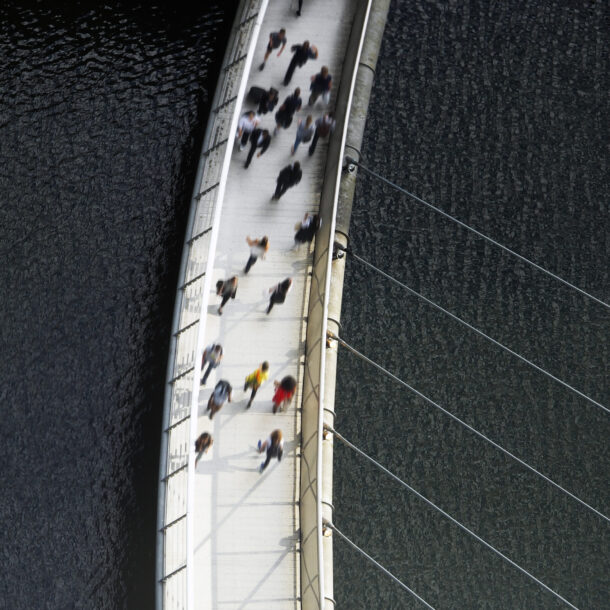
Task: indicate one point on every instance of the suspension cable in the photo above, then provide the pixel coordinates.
(448, 516)
(465, 226)
(353, 545)
(481, 333)
(468, 426)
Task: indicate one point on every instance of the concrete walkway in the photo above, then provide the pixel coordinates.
(246, 547)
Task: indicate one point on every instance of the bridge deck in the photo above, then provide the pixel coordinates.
(246, 548)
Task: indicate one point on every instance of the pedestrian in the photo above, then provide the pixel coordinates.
(246, 124)
(284, 392)
(324, 126)
(259, 138)
(306, 229)
(305, 130)
(274, 446)
(299, 9)
(258, 248)
(222, 393)
(279, 292)
(283, 117)
(276, 39)
(227, 289)
(320, 85)
(212, 355)
(288, 177)
(202, 444)
(300, 54)
(266, 99)
(255, 380)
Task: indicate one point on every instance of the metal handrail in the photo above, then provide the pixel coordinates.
(338, 141)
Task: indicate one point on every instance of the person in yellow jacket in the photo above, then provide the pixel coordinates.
(255, 380)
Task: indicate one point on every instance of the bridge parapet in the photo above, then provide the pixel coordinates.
(181, 396)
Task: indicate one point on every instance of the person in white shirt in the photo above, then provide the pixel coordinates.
(258, 248)
(246, 125)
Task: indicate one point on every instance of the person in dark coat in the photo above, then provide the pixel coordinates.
(289, 176)
(292, 104)
(266, 99)
(320, 86)
(306, 230)
(226, 289)
(259, 138)
(274, 446)
(300, 54)
(279, 292)
(202, 444)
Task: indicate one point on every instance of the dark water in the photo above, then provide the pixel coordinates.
(497, 113)
(494, 111)
(102, 110)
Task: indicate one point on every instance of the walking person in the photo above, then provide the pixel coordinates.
(288, 177)
(259, 138)
(222, 392)
(255, 380)
(274, 446)
(279, 292)
(305, 130)
(226, 289)
(276, 39)
(266, 99)
(320, 86)
(284, 392)
(306, 230)
(300, 54)
(283, 117)
(212, 355)
(258, 248)
(325, 125)
(245, 126)
(202, 444)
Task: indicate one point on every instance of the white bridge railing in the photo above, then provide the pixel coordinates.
(176, 471)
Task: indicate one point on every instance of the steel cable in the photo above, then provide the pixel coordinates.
(452, 519)
(377, 564)
(476, 232)
(481, 333)
(469, 427)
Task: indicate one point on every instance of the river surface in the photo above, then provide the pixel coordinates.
(102, 112)
(497, 113)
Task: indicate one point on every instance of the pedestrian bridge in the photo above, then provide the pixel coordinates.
(229, 536)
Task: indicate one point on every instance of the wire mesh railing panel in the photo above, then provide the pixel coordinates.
(175, 547)
(172, 542)
(178, 448)
(174, 592)
(175, 504)
(181, 400)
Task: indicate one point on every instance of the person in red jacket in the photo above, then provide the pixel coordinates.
(284, 393)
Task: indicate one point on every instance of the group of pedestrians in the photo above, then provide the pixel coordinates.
(250, 130)
(308, 130)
